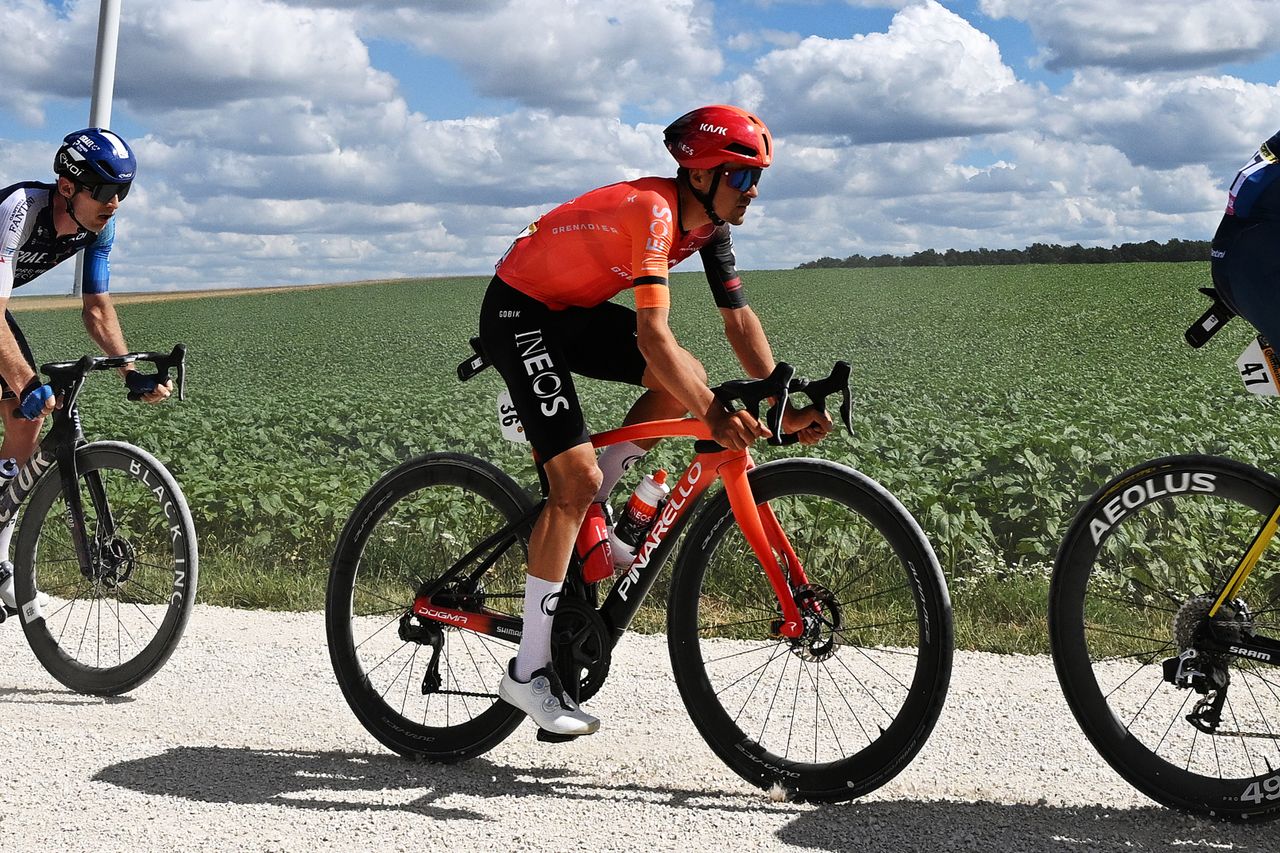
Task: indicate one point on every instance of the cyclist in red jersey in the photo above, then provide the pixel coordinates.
(547, 315)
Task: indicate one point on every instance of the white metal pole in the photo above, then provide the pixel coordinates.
(104, 84)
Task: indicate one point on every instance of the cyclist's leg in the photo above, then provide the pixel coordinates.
(601, 344)
(1251, 275)
(523, 341)
(20, 436)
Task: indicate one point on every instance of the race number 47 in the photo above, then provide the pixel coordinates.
(1257, 368)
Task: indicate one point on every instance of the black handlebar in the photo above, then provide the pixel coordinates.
(780, 385)
(63, 374)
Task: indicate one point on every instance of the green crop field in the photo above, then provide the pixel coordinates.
(990, 400)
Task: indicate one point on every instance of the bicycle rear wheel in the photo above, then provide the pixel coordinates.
(842, 709)
(1135, 577)
(411, 527)
(107, 631)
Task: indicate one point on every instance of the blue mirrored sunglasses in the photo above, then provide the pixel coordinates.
(743, 179)
(103, 193)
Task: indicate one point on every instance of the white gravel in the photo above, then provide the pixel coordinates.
(243, 741)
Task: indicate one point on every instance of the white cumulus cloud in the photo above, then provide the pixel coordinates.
(1146, 35)
(931, 75)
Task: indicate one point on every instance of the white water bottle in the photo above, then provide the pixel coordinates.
(637, 517)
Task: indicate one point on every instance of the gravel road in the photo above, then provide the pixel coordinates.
(243, 741)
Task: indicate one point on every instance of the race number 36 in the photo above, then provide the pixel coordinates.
(509, 420)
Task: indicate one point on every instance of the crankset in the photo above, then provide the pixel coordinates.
(581, 648)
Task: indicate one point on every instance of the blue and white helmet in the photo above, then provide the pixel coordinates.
(95, 156)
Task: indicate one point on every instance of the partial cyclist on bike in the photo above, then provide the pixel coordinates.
(547, 314)
(1245, 254)
(41, 225)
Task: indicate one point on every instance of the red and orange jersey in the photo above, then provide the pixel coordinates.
(623, 235)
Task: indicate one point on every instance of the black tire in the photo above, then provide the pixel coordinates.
(871, 697)
(136, 605)
(1129, 591)
(416, 522)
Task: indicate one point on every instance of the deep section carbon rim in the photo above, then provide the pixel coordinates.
(1134, 584)
(107, 631)
(839, 711)
(423, 687)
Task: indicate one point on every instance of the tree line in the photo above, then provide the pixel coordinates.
(1036, 253)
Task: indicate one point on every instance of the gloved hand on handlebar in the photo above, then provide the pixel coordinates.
(147, 386)
(36, 399)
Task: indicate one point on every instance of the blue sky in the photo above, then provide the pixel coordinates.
(310, 142)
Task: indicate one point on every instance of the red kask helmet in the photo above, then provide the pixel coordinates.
(711, 136)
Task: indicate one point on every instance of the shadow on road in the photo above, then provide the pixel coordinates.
(28, 696)
(353, 781)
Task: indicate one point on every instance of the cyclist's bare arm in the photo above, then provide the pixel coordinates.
(664, 356)
(751, 345)
(745, 334)
(17, 373)
(102, 324)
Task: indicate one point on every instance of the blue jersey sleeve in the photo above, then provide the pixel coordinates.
(97, 264)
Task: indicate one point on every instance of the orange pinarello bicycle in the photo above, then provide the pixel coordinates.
(808, 621)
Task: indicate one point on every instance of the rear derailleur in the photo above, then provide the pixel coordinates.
(1208, 676)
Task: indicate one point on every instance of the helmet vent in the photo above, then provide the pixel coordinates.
(739, 148)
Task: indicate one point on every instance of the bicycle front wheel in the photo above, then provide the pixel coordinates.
(1134, 581)
(840, 710)
(422, 688)
(108, 627)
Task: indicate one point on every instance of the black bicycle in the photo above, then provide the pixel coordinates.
(808, 623)
(105, 563)
(1163, 622)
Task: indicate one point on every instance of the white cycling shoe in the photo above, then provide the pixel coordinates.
(8, 597)
(543, 699)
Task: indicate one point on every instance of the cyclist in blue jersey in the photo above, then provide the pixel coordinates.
(1245, 254)
(42, 225)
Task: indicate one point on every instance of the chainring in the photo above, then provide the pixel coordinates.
(581, 648)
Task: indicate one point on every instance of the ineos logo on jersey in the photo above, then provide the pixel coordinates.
(546, 383)
(659, 230)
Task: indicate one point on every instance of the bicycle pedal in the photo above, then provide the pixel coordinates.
(551, 737)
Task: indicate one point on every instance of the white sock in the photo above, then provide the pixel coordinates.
(540, 599)
(6, 533)
(614, 461)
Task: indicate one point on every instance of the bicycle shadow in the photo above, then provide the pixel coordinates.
(32, 696)
(892, 827)
(340, 781)
(354, 781)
